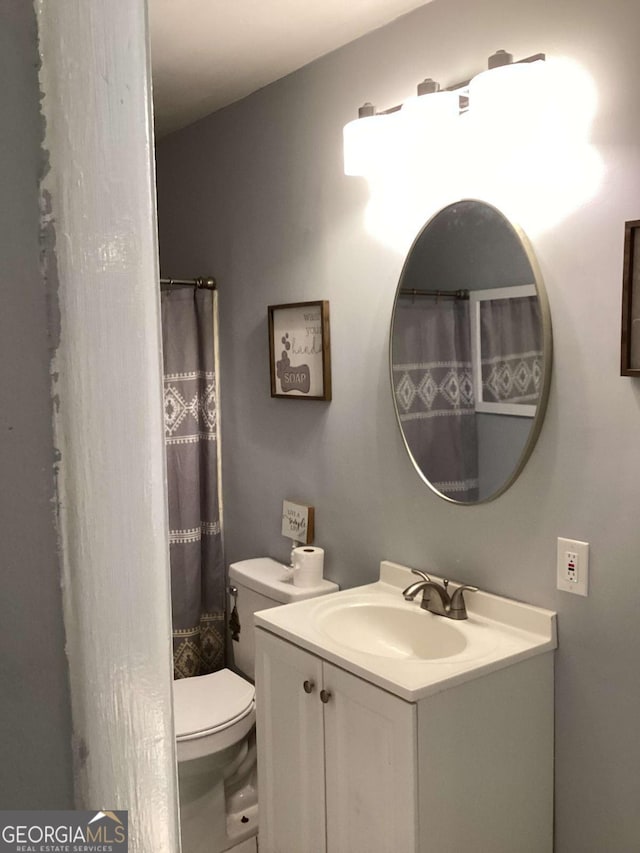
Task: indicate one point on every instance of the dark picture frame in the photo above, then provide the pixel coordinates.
(630, 338)
(300, 350)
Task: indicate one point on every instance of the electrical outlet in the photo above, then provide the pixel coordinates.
(571, 563)
(573, 566)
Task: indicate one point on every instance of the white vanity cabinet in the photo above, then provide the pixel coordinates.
(383, 728)
(468, 768)
(337, 757)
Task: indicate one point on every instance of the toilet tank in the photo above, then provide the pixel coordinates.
(262, 583)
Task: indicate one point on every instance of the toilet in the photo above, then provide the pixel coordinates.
(215, 723)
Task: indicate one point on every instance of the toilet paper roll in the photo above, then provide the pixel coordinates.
(308, 563)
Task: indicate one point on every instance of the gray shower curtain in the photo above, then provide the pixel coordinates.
(511, 333)
(191, 433)
(433, 387)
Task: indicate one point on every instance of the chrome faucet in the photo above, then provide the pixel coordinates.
(436, 598)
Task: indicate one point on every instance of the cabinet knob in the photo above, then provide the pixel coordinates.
(308, 686)
(325, 695)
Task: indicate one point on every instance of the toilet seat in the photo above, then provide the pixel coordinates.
(211, 712)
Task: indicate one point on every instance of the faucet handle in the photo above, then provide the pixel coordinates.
(423, 575)
(458, 609)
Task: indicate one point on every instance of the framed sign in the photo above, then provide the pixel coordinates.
(299, 352)
(297, 522)
(630, 339)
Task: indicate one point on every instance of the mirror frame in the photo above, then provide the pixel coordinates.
(547, 354)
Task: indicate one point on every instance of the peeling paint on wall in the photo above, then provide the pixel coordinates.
(36, 766)
(99, 261)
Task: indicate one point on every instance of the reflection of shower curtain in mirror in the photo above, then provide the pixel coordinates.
(433, 388)
(191, 424)
(511, 335)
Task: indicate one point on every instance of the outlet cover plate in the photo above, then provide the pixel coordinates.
(578, 553)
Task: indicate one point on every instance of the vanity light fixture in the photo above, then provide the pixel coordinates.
(375, 137)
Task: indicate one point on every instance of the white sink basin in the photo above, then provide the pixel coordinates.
(373, 632)
(390, 631)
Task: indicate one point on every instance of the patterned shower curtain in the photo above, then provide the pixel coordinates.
(433, 387)
(511, 332)
(191, 433)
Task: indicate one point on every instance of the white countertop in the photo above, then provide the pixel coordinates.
(498, 633)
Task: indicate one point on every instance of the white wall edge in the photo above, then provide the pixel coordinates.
(99, 226)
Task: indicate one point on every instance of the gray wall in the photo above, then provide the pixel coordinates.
(35, 727)
(255, 195)
(500, 442)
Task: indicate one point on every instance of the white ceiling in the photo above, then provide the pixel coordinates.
(208, 53)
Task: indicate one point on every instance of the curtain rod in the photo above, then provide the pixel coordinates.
(439, 294)
(208, 283)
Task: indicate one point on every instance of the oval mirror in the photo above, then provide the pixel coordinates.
(470, 352)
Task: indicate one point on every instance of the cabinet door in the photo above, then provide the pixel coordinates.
(290, 748)
(371, 767)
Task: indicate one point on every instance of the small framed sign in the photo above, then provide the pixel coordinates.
(299, 350)
(630, 339)
(297, 522)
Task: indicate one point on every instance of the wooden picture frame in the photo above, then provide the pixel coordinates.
(630, 337)
(299, 350)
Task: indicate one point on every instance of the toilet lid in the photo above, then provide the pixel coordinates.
(205, 703)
